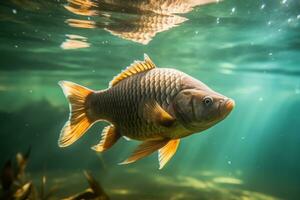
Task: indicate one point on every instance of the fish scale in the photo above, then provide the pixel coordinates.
(155, 85)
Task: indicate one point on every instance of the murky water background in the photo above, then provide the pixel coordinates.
(247, 50)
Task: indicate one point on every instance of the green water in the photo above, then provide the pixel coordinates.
(247, 50)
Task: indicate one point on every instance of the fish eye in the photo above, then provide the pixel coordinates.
(207, 100)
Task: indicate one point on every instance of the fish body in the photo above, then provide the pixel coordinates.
(157, 106)
(123, 104)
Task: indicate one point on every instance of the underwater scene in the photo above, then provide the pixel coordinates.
(246, 52)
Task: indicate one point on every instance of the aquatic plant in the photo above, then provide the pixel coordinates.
(94, 192)
(17, 186)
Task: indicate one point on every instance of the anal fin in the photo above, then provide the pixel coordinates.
(167, 152)
(110, 136)
(145, 149)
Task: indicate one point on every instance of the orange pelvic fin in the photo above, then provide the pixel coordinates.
(109, 137)
(145, 149)
(167, 152)
(78, 122)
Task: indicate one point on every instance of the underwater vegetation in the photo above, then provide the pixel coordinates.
(95, 191)
(17, 186)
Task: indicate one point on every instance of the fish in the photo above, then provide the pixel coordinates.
(157, 106)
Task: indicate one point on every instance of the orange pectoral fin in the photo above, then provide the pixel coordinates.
(154, 113)
(167, 152)
(145, 149)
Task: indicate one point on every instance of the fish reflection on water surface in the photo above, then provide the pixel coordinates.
(158, 106)
(135, 20)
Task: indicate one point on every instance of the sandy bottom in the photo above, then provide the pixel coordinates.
(133, 184)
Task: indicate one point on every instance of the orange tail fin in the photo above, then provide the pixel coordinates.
(78, 122)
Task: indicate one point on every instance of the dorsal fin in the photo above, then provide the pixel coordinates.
(134, 68)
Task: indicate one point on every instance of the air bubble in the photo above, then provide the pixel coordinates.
(233, 10)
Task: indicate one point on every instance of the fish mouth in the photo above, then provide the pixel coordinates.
(229, 104)
(226, 107)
